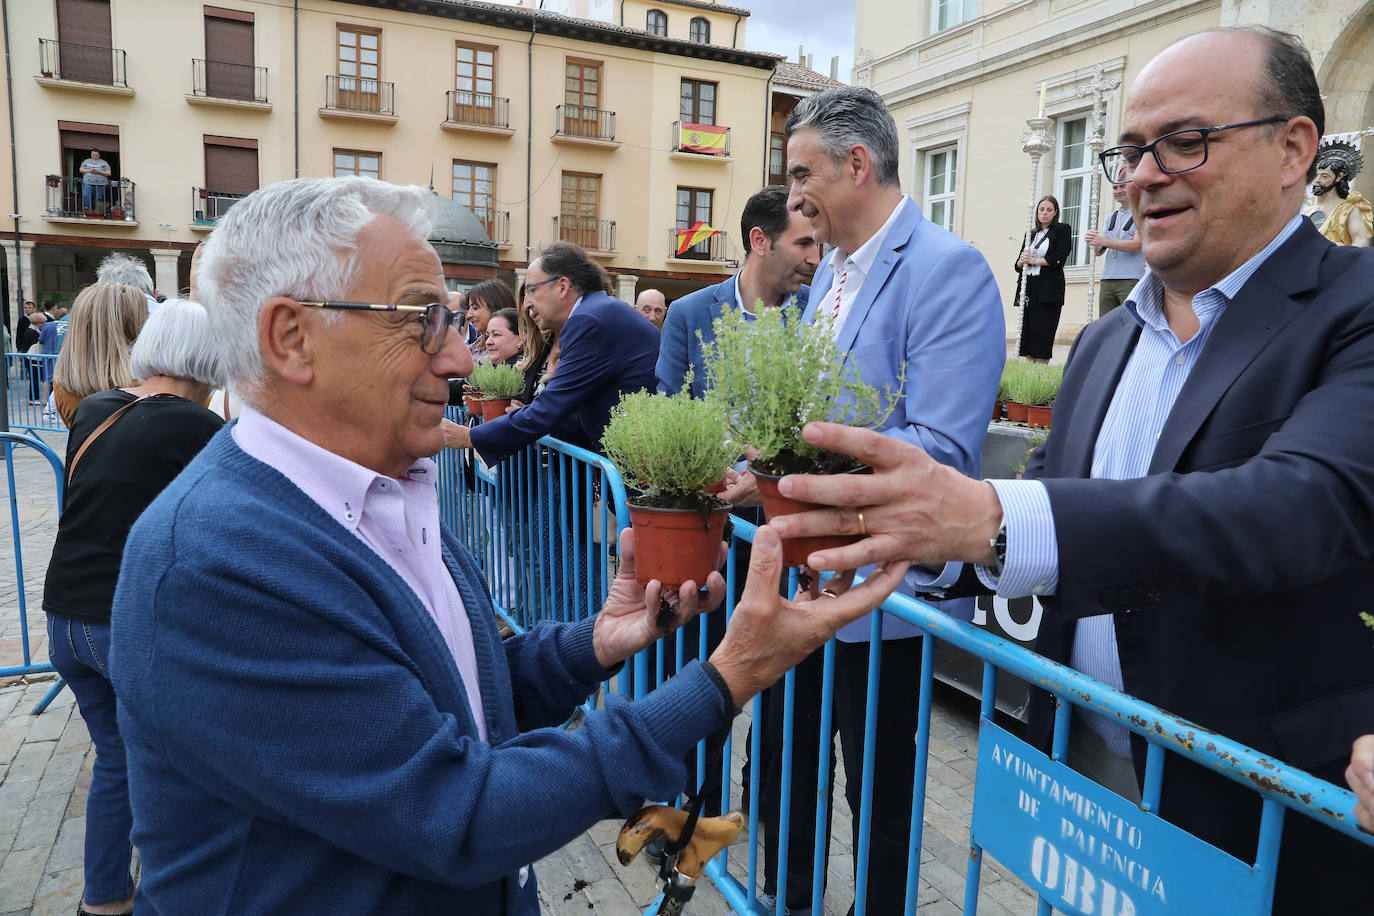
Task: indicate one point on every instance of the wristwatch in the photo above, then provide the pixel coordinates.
(999, 549)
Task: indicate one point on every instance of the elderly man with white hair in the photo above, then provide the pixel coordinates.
(129, 270)
(319, 714)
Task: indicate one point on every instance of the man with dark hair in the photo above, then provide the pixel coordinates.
(1217, 423)
(606, 349)
(779, 257)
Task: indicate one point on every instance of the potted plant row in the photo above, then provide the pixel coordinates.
(771, 375)
(498, 386)
(670, 449)
(1029, 386)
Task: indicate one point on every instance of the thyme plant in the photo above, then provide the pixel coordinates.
(497, 381)
(669, 447)
(773, 374)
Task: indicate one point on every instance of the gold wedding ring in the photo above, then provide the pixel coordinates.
(863, 529)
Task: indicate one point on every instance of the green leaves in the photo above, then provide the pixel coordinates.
(671, 445)
(497, 381)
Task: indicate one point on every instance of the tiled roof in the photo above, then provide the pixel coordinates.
(790, 74)
(708, 5)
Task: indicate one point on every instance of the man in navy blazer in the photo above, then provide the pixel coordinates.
(605, 349)
(917, 312)
(779, 257)
(1218, 429)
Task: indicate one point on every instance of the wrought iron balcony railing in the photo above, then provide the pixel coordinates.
(582, 122)
(219, 79)
(586, 232)
(208, 205)
(497, 224)
(349, 93)
(71, 198)
(476, 108)
(67, 60)
(710, 249)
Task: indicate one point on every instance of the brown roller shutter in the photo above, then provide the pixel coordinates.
(83, 36)
(80, 136)
(228, 57)
(230, 168)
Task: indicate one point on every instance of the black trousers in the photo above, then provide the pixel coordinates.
(899, 684)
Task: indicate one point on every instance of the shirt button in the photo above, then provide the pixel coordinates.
(1179, 359)
(381, 484)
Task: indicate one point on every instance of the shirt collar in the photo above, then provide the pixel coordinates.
(1146, 301)
(574, 307)
(335, 484)
(868, 252)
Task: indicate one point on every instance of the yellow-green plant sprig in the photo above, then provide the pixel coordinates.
(669, 446)
(497, 381)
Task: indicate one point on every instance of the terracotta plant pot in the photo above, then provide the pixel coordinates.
(675, 545)
(996, 411)
(473, 405)
(494, 407)
(1039, 416)
(1016, 412)
(795, 550)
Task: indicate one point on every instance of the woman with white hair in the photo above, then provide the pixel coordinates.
(125, 446)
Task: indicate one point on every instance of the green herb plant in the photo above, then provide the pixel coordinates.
(1036, 440)
(497, 381)
(670, 447)
(769, 376)
(1038, 385)
(1012, 373)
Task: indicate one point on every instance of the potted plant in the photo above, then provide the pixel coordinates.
(499, 386)
(1003, 391)
(1037, 390)
(1012, 374)
(671, 448)
(770, 376)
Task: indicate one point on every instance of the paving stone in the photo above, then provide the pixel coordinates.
(29, 762)
(59, 777)
(42, 820)
(69, 850)
(20, 874)
(59, 892)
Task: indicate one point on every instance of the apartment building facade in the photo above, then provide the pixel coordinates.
(529, 126)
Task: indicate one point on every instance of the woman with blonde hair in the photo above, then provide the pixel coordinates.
(104, 322)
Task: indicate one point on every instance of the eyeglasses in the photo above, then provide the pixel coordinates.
(531, 287)
(435, 318)
(1180, 151)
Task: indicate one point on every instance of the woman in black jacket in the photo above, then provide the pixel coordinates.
(1041, 266)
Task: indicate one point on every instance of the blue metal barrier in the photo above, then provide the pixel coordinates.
(11, 441)
(1140, 863)
(30, 382)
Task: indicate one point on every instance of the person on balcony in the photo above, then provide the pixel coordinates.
(95, 178)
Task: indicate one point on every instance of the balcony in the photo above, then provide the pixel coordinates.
(69, 200)
(89, 68)
(700, 141)
(476, 112)
(712, 249)
(217, 82)
(357, 99)
(585, 126)
(592, 235)
(208, 205)
(497, 224)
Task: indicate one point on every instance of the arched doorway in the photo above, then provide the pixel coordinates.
(1347, 75)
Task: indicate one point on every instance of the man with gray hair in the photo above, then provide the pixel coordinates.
(129, 270)
(318, 712)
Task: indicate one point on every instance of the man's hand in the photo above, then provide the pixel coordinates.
(1360, 776)
(1093, 237)
(629, 620)
(914, 508)
(768, 634)
(456, 435)
(741, 489)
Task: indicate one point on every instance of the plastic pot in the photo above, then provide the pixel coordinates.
(1016, 412)
(473, 405)
(796, 550)
(996, 411)
(1039, 416)
(675, 545)
(494, 407)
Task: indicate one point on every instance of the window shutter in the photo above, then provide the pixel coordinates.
(85, 22)
(231, 168)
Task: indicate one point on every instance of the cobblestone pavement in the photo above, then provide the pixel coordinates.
(45, 768)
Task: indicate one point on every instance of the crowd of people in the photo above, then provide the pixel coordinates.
(293, 675)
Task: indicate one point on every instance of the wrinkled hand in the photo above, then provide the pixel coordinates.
(515, 404)
(741, 489)
(914, 508)
(768, 634)
(1360, 778)
(628, 620)
(455, 434)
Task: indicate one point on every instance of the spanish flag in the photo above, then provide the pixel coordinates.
(700, 232)
(702, 138)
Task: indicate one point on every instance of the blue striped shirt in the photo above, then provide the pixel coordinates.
(1154, 375)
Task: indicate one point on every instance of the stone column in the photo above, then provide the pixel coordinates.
(519, 279)
(25, 273)
(625, 287)
(165, 262)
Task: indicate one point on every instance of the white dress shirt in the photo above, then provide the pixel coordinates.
(849, 271)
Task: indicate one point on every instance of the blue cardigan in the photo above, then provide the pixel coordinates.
(298, 736)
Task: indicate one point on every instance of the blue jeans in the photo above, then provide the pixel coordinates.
(93, 194)
(80, 652)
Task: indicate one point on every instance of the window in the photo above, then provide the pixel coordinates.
(947, 13)
(354, 162)
(580, 210)
(941, 184)
(656, 23)
(581, 98)
(693, 206)
(698, 102)
(474, 186)
(231, 164)
(359, 68)
(475, 71)
(1073, 171)
(84, 42)
(777, 158)
(228, 54)
(700, 31)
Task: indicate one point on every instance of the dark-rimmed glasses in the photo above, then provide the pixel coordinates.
(435, 318)
(1180, 151)
(531, 287)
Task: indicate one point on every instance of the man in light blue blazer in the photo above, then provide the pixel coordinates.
(917, 311)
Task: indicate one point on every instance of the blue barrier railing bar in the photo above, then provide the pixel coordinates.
(22, 369)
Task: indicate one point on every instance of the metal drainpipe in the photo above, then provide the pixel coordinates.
(14, 177)
(734, 39)
(529, 134)
(296, 83)
(768, 123)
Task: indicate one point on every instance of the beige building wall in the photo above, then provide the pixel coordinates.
(971, 86)
(727, 23)
(162, 127)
